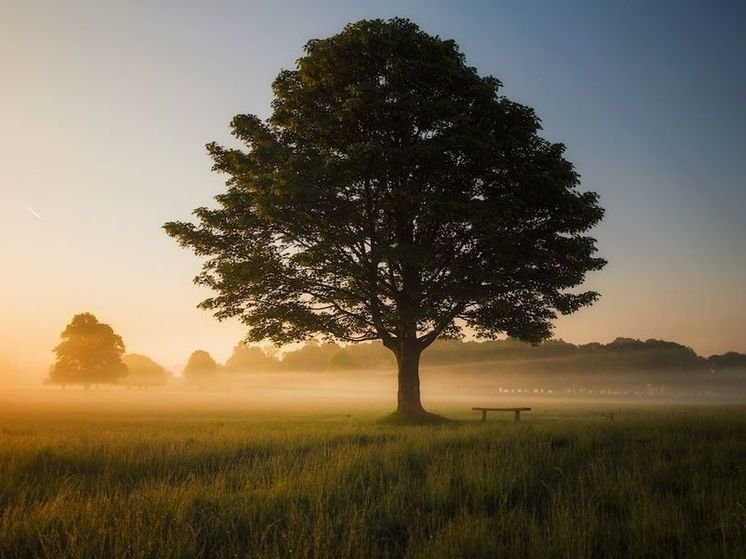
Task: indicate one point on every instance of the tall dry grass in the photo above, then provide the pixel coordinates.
(665, 482)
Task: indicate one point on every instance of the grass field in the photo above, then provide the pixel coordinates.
(217, 480)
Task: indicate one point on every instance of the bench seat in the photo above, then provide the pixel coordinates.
(516, 412)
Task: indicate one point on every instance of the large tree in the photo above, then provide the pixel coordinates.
(90, 353)
(393, 194)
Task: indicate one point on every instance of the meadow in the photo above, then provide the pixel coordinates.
(95, 475)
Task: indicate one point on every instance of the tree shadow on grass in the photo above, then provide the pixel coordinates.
(424, 418)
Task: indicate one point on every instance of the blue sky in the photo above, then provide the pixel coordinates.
(106, 107)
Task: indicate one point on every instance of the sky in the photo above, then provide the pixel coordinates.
(105, 108)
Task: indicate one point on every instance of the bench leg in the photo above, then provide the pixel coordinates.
(517, 416)
(484, 415)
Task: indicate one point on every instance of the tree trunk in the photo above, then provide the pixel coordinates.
(408, 362)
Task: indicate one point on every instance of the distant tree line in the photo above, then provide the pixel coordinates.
(554, 356)
(91, 353)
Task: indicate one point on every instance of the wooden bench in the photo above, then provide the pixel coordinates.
(516, 411)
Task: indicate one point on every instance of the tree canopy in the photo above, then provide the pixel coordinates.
(394, 194)
(89, 353)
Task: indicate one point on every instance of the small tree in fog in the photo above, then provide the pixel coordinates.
(200, 367)
(143, 371)
(89, 353)
(393, 195)
(246, 358)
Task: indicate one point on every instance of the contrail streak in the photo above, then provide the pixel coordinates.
(32, 212)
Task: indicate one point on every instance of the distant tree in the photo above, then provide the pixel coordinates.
(371, 355)
(247, 358)
(89, 353)
(200, 367)
(727, 362)
(393, 195)
(343, 359)
(312, 356)
(143, 371)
